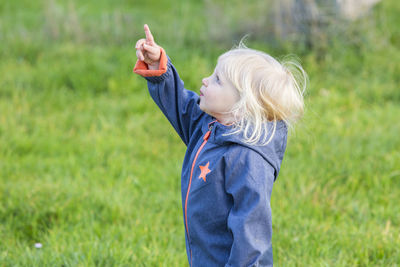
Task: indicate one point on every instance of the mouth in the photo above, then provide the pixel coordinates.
(201, 93)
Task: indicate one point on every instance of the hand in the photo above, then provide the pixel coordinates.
(148, 51)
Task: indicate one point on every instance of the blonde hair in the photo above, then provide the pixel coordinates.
(269, 91)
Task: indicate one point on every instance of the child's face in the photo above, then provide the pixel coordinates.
(217, 96)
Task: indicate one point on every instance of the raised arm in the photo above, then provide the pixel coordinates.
(178, 104)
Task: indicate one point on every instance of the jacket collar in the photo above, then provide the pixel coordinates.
(272, 152)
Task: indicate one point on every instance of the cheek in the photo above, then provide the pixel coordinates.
(215, 99)
(208, 101)
(223, 102)
(218, 99)
(209, 94)
(229, 99)
(234, 98)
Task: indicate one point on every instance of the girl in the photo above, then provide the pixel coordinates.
(235, 132)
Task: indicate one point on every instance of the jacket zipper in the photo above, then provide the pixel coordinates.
(205, 138)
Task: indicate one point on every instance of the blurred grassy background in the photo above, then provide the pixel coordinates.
(90, 168)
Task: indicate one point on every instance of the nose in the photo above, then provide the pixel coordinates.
(205, 81)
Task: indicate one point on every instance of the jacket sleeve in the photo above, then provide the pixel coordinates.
(178, 104)
(249, 181)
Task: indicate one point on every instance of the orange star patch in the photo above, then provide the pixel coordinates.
(204, 171)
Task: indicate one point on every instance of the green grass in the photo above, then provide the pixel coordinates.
(90, 168)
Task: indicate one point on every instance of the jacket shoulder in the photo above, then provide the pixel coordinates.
(242, 157)
(245, 168)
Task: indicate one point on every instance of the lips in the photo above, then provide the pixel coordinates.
(201, 93)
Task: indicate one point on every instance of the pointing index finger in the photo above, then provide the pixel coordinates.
(149, 36)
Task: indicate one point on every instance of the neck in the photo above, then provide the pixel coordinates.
(225, 120)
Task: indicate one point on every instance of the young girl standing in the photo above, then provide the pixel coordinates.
(235, 132)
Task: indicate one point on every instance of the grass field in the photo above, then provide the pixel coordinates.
(90, 168)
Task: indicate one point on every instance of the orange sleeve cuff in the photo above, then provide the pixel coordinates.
(142, 68)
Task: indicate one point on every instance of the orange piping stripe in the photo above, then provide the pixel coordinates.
(190, 182)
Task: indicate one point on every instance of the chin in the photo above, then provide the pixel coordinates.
(201, 106)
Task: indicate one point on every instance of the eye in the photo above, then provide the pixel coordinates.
(217, 79)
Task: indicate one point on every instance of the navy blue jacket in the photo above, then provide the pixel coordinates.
(226, 184)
